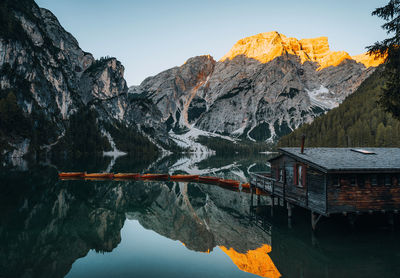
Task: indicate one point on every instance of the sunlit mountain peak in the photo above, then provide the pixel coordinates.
(265, 47)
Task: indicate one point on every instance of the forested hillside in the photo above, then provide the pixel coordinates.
(358, 121)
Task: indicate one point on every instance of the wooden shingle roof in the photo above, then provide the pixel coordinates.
(349, 159)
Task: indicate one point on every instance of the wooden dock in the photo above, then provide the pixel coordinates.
(287, 194)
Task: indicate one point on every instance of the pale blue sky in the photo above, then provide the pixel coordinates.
(151, 36)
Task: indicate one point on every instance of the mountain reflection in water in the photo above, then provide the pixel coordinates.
(52, 228)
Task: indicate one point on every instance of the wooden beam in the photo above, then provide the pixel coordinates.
(314, 220)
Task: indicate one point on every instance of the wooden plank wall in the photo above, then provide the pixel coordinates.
(316, 190)
(352, 198)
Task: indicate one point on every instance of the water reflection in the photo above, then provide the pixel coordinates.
(51, 228)
(254, 261)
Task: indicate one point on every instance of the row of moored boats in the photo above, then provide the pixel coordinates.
(127, 176)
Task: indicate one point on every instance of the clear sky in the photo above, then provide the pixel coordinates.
(149, 36)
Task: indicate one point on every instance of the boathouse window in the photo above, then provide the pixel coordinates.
(289, 174)
(374, 180)
(395, 180)
(353, 180)
(344, 181)
(388, 180)
(300, 175)
(361, 180)
(381, 180)
(335, 180)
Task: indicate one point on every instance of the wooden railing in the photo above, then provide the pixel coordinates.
(267, 183)
(263, 181)
(292, 193)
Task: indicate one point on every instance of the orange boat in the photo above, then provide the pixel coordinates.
(70, 178)
(71, 174)
(154, 176)
(246, 185)
(233, 183)
(208, 179)
(184, 177)
(126, 176)
(99, 175)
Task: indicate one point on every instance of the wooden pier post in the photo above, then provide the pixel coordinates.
(351, 217)
(251, 196)
(289, 209)
(272, 206)
(314, 220)
(390, 218)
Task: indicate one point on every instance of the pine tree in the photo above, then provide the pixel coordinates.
(354, 123)
(380, 133)
(390, 98)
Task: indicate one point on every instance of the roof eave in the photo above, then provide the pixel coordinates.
(365, 170)
(319, 167)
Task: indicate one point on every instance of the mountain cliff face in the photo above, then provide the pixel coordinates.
(263, 88)
(49, 78)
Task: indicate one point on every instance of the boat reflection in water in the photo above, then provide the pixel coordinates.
(78, 228)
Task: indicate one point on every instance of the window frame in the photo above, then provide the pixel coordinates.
(352, 180)
(301, 180)
(373, 177)
(361, 180)
(388, 180)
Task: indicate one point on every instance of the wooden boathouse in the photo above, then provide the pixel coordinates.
(330, 181)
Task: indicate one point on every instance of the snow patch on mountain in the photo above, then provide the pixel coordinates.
(323, 98)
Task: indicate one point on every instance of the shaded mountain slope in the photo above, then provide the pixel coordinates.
(358, 121)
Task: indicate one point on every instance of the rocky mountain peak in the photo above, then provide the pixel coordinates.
(265, 47)
(51, 81)
(369, 60)
(266, 86)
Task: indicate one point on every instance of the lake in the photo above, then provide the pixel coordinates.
(78, 228)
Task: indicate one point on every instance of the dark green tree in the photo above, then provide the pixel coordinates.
(389, 48)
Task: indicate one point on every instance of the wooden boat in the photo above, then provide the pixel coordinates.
(70, 178)
(246, 185)
(233, 183)
(97, 179)
(208, 179)
(71, 174)
(126, 176)
(154, 176)
(184, 177)
(99, 175)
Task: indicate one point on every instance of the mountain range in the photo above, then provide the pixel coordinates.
(55, 96)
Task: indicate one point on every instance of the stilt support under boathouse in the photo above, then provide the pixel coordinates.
(329, 181)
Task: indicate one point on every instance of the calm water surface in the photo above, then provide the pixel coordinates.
(52, 228)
